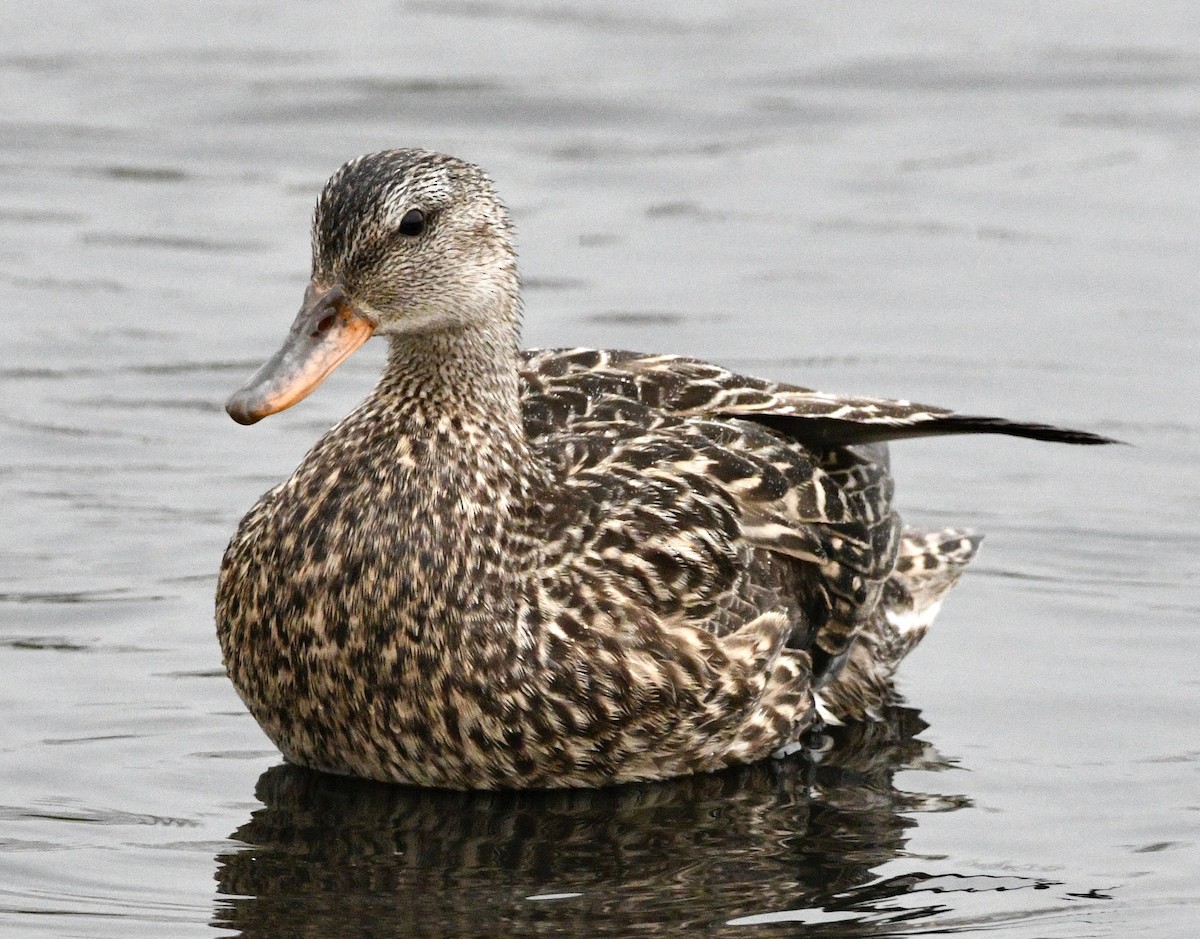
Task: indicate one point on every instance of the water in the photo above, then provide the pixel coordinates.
(991, 207)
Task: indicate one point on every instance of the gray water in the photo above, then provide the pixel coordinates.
(991, 206)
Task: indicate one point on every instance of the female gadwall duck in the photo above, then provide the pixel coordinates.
(574, 567)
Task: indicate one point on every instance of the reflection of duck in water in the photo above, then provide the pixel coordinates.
(565, 568)
(331, 857)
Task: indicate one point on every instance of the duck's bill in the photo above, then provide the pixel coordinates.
(325, 332)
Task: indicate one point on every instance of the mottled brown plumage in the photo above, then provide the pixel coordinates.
(555, 568)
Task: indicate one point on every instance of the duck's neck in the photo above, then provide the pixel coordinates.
(440, 451)
(467, 373)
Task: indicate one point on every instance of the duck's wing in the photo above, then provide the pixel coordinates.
(681, 490)
(689, 386)
(663, 505)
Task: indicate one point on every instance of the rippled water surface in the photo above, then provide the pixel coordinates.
(991, 206)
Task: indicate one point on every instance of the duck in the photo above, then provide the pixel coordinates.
(531, 569)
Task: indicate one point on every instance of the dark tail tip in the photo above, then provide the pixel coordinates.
(966, 424)
(825, 431)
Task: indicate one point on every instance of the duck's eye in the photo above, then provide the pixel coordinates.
(413, 222)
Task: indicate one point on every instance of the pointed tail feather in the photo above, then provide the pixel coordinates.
(824, 432)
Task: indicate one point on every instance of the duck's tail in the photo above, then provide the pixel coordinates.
(929, 564)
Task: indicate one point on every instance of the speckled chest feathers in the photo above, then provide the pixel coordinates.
(567, 567)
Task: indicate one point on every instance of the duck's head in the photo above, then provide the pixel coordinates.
(404, 241)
